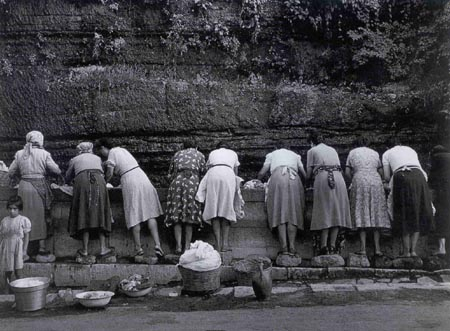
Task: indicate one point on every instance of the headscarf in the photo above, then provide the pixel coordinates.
(33, 138)
(85, 147)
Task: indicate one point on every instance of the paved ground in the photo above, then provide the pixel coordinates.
(293, 306)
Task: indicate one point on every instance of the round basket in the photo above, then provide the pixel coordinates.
(200, 281)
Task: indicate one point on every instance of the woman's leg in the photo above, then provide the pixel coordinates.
(442, 246)
(225, 233)
(324, 238)
(376, 240)
(292, 234)
(85, 241)
(136, 230)
(282, 237)
(153, 227)
(8, 276)
(414, 239)
(187, 236)
(216, 229)
(362, 238)
(333, 235)
(406, 245)
(42, 245)
(103, 247)
(177, 230)
(19, 273)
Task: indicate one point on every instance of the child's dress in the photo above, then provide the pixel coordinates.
(12, 231)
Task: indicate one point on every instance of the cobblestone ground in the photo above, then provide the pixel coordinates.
(284, 294)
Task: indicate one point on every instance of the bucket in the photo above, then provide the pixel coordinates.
(30, 293)
(200, 282)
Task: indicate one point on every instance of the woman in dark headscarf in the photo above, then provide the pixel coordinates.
(439, 182)
(90, 213)
(31, 164)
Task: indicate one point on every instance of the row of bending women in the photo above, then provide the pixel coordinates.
(408, 204)
(90, 214)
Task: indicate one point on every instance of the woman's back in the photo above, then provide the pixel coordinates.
(363, 160)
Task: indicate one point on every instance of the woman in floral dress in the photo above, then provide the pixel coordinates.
(368, 205)
(182, 209)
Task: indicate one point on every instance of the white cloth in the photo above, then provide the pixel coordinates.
(283, 157)
(200, 256)
(223, 156)
(400, 156)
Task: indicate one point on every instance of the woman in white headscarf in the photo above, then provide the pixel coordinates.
(90, 213)
(31, 164)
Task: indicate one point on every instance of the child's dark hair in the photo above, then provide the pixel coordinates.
(106, 142)
(15, 201)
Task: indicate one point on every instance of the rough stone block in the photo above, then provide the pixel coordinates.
(72, 275)
(384, 280)
(391, 273)
(243, 291)
(445, 278)
(426, 281)
(90, 259)
(344, 281)
(39, 270)
(324, 261)
(306, 273)
(50, 258)
(434, 263)
(355, 260)
(407, 263)
(359, 272)
(107, 259)
(226, 291)
(336, 272)
(382, 262)
(279, 273)
(401, 280)
(287, 260)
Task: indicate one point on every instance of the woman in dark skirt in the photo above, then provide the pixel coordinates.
(285, 197)
(410, 204)
(182, 209)
(90, 212)
(439, 182)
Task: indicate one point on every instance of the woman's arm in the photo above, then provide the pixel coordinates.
(109, 173)
(348, 173)
(70, 173)
(263, 171)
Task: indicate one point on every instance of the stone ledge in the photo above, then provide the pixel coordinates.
(67, 275)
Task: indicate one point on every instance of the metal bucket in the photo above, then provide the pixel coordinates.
(30, 298)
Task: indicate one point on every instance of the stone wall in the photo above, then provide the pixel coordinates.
(248, 236)
(151, 73)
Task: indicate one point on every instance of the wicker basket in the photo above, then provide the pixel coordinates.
(200, 281)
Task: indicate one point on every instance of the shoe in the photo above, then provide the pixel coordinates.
(159, 252)
(80, 253)
(333, 250)
(323, 251)
(109, 252)
(379, 254)
(139, 252)
(363, 253)
(44, 252)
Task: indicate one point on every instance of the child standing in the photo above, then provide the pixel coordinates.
(14, 237)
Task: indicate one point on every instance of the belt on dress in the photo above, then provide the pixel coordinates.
(123, 173)
(220, 165)
(330, 175)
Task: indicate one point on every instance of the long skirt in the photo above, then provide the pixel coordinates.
(90, 210)
(220, 186)
(285, 200)
(330, 206)
(442, 204)
(34, 209)
(181, 204)
(368, 201)
(412, 203)
(140, 198)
